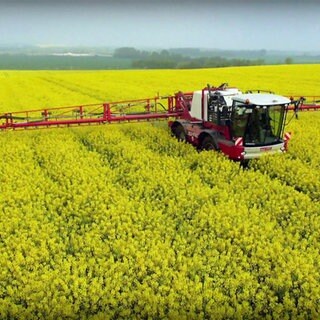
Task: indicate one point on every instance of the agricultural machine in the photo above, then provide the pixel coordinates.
(242, 126)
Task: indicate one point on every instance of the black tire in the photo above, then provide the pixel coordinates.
(179, 132)
(244, 164)
(208, 143)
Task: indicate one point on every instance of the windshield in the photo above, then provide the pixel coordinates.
(258, 125)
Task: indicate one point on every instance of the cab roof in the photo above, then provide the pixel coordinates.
(261, 99)
(225, 92)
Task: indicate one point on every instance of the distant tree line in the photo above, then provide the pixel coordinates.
(131, 58)
(168, 60)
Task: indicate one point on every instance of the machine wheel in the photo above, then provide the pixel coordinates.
(179, 132)
(244, 164)
(208, 144)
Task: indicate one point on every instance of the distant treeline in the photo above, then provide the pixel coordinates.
(168, 60)
(53, 62)
(131, 58)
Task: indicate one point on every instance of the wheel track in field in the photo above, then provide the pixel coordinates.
(87, 91)
(69, 176)
(190, 167)
(293, 184)
(293, 173)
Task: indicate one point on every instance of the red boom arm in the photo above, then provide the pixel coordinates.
(121, 111)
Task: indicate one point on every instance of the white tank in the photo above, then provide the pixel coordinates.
(196, 109)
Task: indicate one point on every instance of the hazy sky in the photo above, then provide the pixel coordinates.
(243, 24)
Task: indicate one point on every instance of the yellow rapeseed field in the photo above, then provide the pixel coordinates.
(22, 90)
(125, 222)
